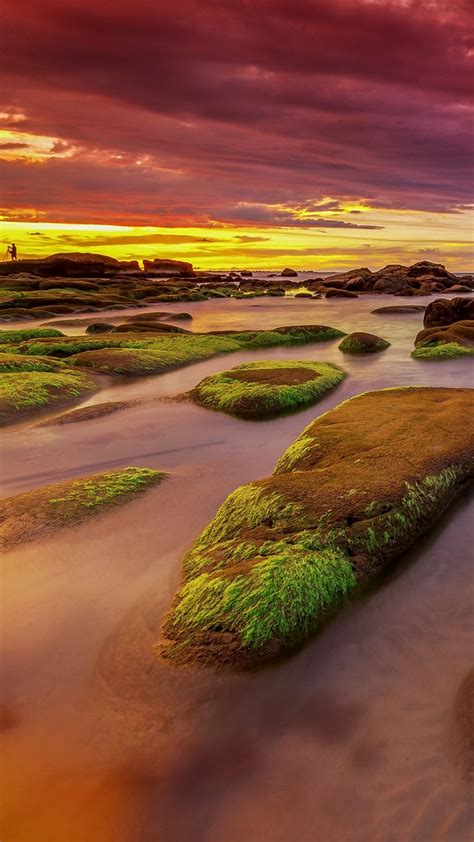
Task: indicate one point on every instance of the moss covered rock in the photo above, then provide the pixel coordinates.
(442, 351)
(363, 343)
(24, 392)
(267, 388)
(9, 337)
(26, 517)
(354, 491)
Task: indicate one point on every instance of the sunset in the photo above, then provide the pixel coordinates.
(237, 455)
(334, 134)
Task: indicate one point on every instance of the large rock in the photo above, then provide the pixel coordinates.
(461, 333)
(444, 311)
(68, 265)
(164, 268)
(359, 486)
(289, 273)
(357, 280)
(401, 280)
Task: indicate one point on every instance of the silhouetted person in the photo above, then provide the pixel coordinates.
(12, 251)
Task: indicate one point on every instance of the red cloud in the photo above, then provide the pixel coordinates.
(218, 103)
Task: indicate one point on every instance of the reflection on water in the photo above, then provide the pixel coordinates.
(347, 741)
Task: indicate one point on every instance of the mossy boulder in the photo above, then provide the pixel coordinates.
(37, 513)
(442, 351)
(445, 342)
(267, 388)
(356, 489)
(23, 393)
(363, 343)
(20, 362)
(10, 337)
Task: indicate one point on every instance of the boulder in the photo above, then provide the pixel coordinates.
(445, 312)
(362, 343)
(340, 293)
(358, 280)
(289, 273)
(70, 264)
(359, 486)
(164, 268)
(462, 333)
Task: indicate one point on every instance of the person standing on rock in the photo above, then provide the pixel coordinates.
(12, 251)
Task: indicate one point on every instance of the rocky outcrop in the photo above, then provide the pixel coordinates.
(447, 311)
(359, 486)
(69, 265)
(163, 268)
(289, 273)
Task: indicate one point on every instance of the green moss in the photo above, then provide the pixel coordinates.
(300, 447)
(26, 390)
(283, 552)
(104, 489)
(246, 507)
(37, 513)
(19, 362)
(259, 399)
(277, 600)
(442, 351)
(8, 337)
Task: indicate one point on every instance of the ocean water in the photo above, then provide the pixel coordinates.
(348, 740)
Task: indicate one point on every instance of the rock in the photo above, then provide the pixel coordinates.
(24, 393)
(148, 327)
(399, 309)
(424, 269)
(163, 268)
(89, 413)
(445, 342)
(303, 294)
(459, 288)
(245, 273)
(99, 327)
(359, 486)
(356, 280)
(362, 343)
(462, 332)
(37, 513)
(71, 264)
(267, 388)
(289, 273)
(445, 312)
(340, 293)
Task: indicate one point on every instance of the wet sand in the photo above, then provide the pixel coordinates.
(348, 740)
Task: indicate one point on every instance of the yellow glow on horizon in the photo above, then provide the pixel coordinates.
(406, 237)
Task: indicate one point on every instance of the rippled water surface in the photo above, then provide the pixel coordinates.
(349, 740)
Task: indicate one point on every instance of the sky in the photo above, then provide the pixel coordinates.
(239, 133)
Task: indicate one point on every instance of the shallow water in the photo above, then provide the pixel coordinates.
(346, 741)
